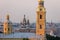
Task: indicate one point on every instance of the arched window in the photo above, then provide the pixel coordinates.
(40, 16)
(40, 9)
(5, 29)
(40, 26)
(8, 29)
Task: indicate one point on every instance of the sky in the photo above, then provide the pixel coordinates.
(17, 8)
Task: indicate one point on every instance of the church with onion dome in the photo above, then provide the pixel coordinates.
(25, 23)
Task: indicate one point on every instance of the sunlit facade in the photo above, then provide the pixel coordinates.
(7, 26)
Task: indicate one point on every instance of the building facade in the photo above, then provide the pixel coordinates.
(7, 26)
(41, 19)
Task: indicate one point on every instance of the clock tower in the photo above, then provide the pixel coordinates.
(41, 18)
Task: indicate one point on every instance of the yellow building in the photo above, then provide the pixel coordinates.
(7, 26)
(41, 18)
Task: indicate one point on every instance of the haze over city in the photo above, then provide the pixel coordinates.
(17, 9)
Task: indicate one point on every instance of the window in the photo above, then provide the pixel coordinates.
(5, 29)
(8, 29)
(40, 34)
(40, 16)
(40, 9)
(40, 26)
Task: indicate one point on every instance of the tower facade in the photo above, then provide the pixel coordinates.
(41, 18)
(7, 26)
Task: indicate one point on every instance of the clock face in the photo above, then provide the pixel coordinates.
(40, 9)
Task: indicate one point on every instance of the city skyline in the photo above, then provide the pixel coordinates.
(17, 9)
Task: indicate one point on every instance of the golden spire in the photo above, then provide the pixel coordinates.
(40, 0)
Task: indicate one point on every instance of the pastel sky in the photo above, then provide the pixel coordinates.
(17, 9)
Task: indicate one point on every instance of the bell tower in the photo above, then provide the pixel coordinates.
(41, 18)
(7, 26)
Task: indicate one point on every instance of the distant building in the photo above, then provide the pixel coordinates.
(52, 29)
(25, 23)
(25, 26)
